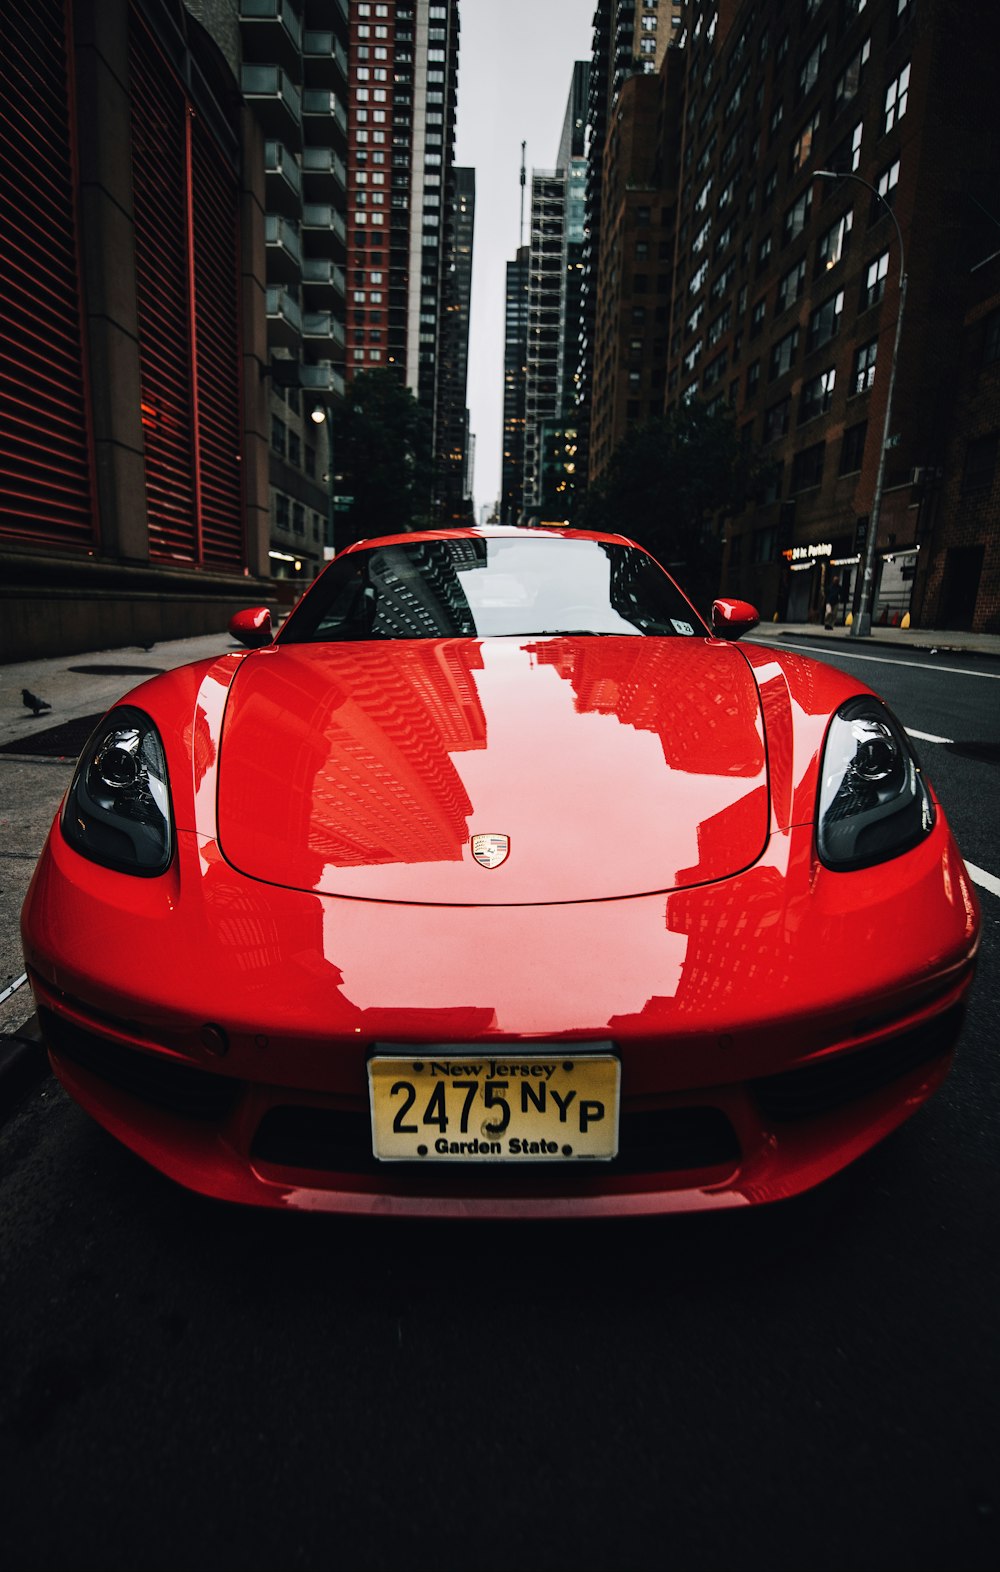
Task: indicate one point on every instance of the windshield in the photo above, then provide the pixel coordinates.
(491, 588)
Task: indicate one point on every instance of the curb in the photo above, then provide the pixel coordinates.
(23, 1063)
(925, 647)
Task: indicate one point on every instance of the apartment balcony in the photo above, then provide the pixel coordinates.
(284, 320)
(284, 254)
(283, 185)
(324, 233)
(324, 283)
(323, 335)
(322, 112)
(324, 61)
(271, 33)
(276, 101)
(324, 176)
(322, 378)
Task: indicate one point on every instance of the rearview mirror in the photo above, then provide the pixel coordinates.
(732, 618)
(252, 627)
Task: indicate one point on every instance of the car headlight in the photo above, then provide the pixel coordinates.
(873, 801)
(117, 809)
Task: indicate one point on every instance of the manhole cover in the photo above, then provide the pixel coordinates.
(118, 671)
(64, 741)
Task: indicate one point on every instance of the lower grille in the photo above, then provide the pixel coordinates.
(843, 1078)
(177, 1088)
(658, 1140)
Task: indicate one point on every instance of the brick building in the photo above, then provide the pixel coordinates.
(787, 293)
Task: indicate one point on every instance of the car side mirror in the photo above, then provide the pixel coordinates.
(732, 618)
(252, 627)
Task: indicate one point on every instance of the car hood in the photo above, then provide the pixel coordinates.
(614, 766)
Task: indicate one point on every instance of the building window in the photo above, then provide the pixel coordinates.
(809, 75)
(279, 435)
(298, 518)
(757, 318)
(763, 252)
(764, 541)
(850, 80)
(852, 449)
(797, 216)
(825, 321)
(803, 146)
(863, 370)
(847, 154)
(817, 395)
(832, 245)
(715, 370)
(281, 510)
(776, 420)
(875, 277)
(753, 378)
(807, 468)
(886, 185)
(980, 462)
(783, 354)
(791, 285)
(723, 281)
(896, 95)
(295, 449)
(693, 355)
(719, 325)
(767, 194)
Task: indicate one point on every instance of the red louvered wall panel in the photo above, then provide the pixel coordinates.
(46, 472)
(217, 323)
(186, 202)
(159, 195)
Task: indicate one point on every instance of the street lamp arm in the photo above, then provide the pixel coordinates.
(840, 174)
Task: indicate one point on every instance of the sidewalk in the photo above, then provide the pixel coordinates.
(930, 640)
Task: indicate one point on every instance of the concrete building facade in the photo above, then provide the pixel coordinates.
(134, 430)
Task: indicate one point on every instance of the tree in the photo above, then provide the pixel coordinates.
(382, 450)
(666, 485)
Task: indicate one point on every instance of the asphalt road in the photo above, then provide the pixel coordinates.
(184, 1384)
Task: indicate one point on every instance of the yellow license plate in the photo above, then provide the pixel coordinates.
(466, 1106)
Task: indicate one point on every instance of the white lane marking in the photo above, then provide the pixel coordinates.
(18, 982)
(927, 736)
(879, 660)
(988, 881)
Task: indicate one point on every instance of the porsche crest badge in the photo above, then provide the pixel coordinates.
(490, 850)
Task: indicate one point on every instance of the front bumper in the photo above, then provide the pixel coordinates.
(771, 1027)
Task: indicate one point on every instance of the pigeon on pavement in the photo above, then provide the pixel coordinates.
(33, 703)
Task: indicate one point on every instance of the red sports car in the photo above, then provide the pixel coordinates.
(497, 884)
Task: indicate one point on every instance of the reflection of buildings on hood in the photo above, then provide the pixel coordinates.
(704, 710)
(385, 788)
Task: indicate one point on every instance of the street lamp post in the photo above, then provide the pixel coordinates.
(862, 625)
(321, 413)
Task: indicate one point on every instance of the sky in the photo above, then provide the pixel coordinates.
(515, 69)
